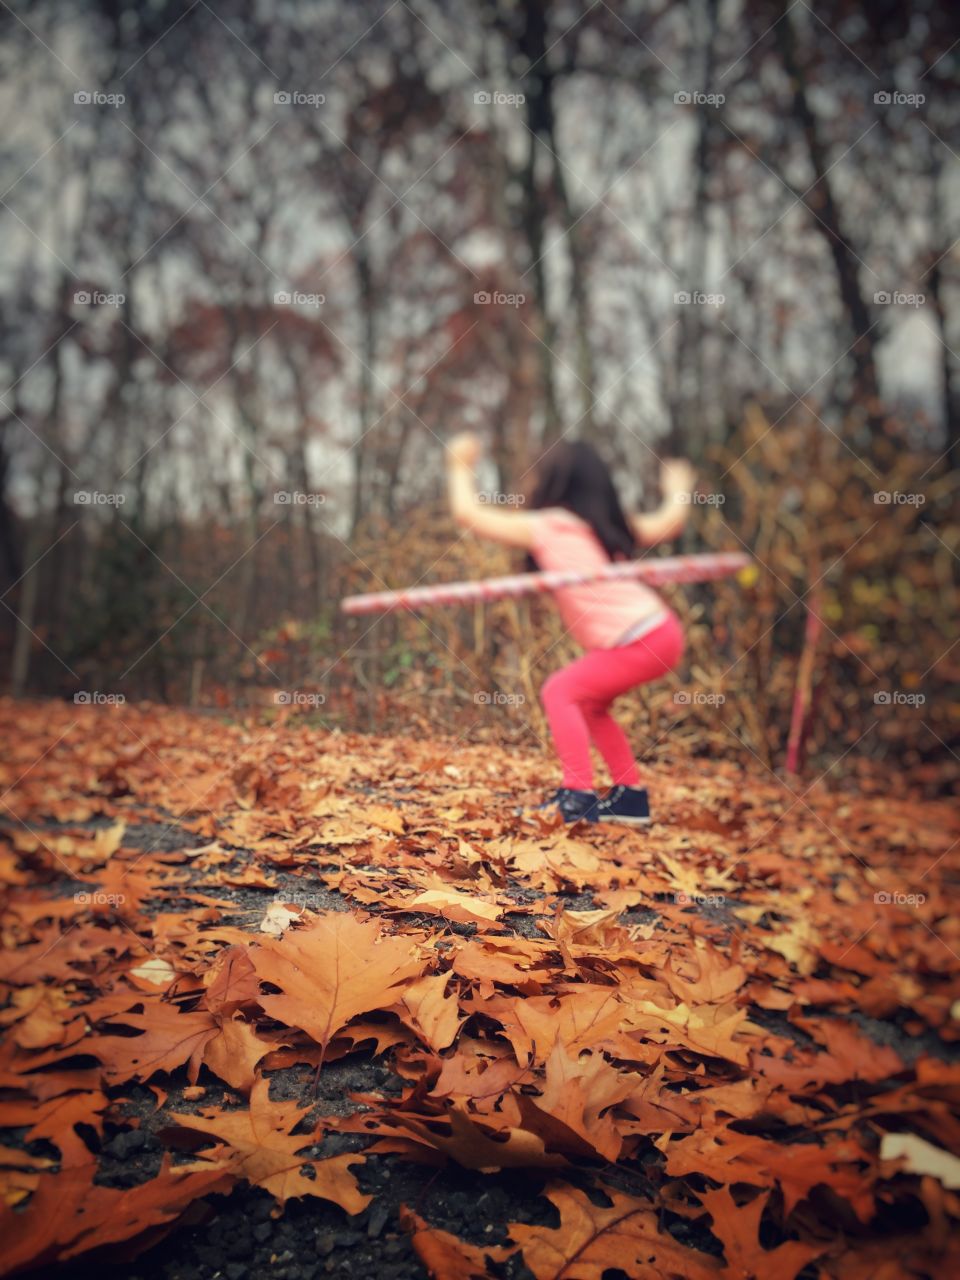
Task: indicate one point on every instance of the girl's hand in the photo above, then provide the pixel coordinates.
(464, 449)
(513, 528)
(678, 476)
(677, 480)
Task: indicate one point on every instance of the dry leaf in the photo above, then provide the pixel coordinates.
(592, 1240)
(260, 1148)
(331, 971)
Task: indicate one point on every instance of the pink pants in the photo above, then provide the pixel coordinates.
(577, 697)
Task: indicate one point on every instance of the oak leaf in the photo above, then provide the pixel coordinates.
(331, 971)
(231, 981)
(69, 1214)
(727, 1156)
(575, 1095)
(592, 1240)
(258, 1145)
(738, 1228)
(168, 1039)
(429, 1012)
(463, 908)
(56, 1121)
(235, 1052)
(444, 1256)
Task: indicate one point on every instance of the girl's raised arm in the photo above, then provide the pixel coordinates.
(677, 482)
(511, 527)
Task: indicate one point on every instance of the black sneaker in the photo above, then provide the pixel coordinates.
(629, 805)
(574, 806)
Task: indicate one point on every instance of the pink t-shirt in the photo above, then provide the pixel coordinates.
(597, 614)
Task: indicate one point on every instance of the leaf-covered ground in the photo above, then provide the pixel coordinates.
(283, 1003)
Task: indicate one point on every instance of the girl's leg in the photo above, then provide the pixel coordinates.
(576, 699)
(568, 725)
(611, 742)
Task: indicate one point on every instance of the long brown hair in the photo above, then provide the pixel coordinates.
(572, 475)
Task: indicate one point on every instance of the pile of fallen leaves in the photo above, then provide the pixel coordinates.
(727, 1045)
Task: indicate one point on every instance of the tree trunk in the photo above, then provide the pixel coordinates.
(10, 557)
(64, 511)
(949, 371)
(578, 276)
(537, 90)
(821, 201)
(245, 384)
(309, 532)
(948, 367)
(361, 262)
(25, 618)
(690, 355)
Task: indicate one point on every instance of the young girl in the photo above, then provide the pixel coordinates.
(629, 634)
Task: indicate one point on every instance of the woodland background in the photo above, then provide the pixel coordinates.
(575, 164)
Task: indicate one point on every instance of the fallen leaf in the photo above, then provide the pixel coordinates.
(332, 970)
(738, 1229)
(592, 1240)
(259, 1146)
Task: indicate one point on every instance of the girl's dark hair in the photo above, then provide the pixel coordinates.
(574, 476)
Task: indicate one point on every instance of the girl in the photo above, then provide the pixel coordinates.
(629, 634)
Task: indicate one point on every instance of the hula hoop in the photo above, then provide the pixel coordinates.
(655, 573)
